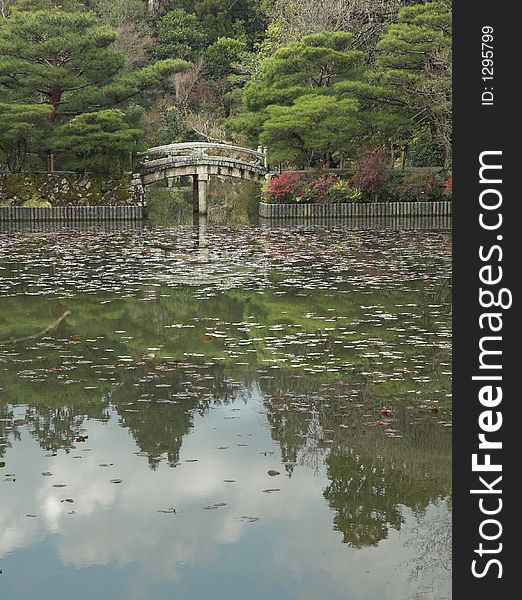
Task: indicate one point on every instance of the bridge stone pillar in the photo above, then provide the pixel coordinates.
(199, 193)
(195, 194)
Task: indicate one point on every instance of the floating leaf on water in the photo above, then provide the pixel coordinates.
(213, 506)
(249, 519)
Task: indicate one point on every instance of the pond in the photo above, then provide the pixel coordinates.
(225, 412)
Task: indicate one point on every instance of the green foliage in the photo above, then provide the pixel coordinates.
(411, 82)
(222, 18)
(58, 64)
(341, 191)
(293, 108)
(311, 130)
(400, 90)
(315, 62)
(55, 55)
(174, 128)
(180, 35)
(36, 203)
(375, 79)
(424, 153)
(221, 56)
(100, 141)
(20, 129)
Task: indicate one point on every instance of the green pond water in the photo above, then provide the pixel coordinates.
(225, 413)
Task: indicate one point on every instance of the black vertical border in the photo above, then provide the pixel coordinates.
(476, 129)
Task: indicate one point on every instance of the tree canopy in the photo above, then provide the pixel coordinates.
(314, 81)
(64, 60)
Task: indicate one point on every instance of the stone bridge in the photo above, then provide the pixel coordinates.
(199, 160)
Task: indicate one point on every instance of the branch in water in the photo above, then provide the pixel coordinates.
(49, 328)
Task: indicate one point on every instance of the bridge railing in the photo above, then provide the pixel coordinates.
(204, 150)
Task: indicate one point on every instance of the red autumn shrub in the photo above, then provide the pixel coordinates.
(372, 173)
(320, 186)
(284, 187)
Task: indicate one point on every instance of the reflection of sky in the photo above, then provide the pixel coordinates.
(118, 546)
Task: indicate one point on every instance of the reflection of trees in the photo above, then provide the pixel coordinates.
(431, 541)
(372, 476)
(365, 497)
(158, 427)
(56, 428)
(316, 419)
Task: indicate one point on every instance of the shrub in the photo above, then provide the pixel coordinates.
(284, 188)
(420, 186)
(342, 192)
(371, 174)
(319, 186)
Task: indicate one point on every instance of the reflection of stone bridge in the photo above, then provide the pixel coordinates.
(200, 161)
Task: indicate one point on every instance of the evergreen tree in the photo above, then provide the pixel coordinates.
(99, 141)
(293, 107)
(20, 129)
(180, 35)
(63, 60)
(411, 83)
(311, 130)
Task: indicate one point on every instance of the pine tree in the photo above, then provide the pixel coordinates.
(63, 60)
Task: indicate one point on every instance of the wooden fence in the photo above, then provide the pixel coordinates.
(350, 210)
(71, 213)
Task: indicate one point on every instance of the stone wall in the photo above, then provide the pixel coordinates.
(63, 189)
